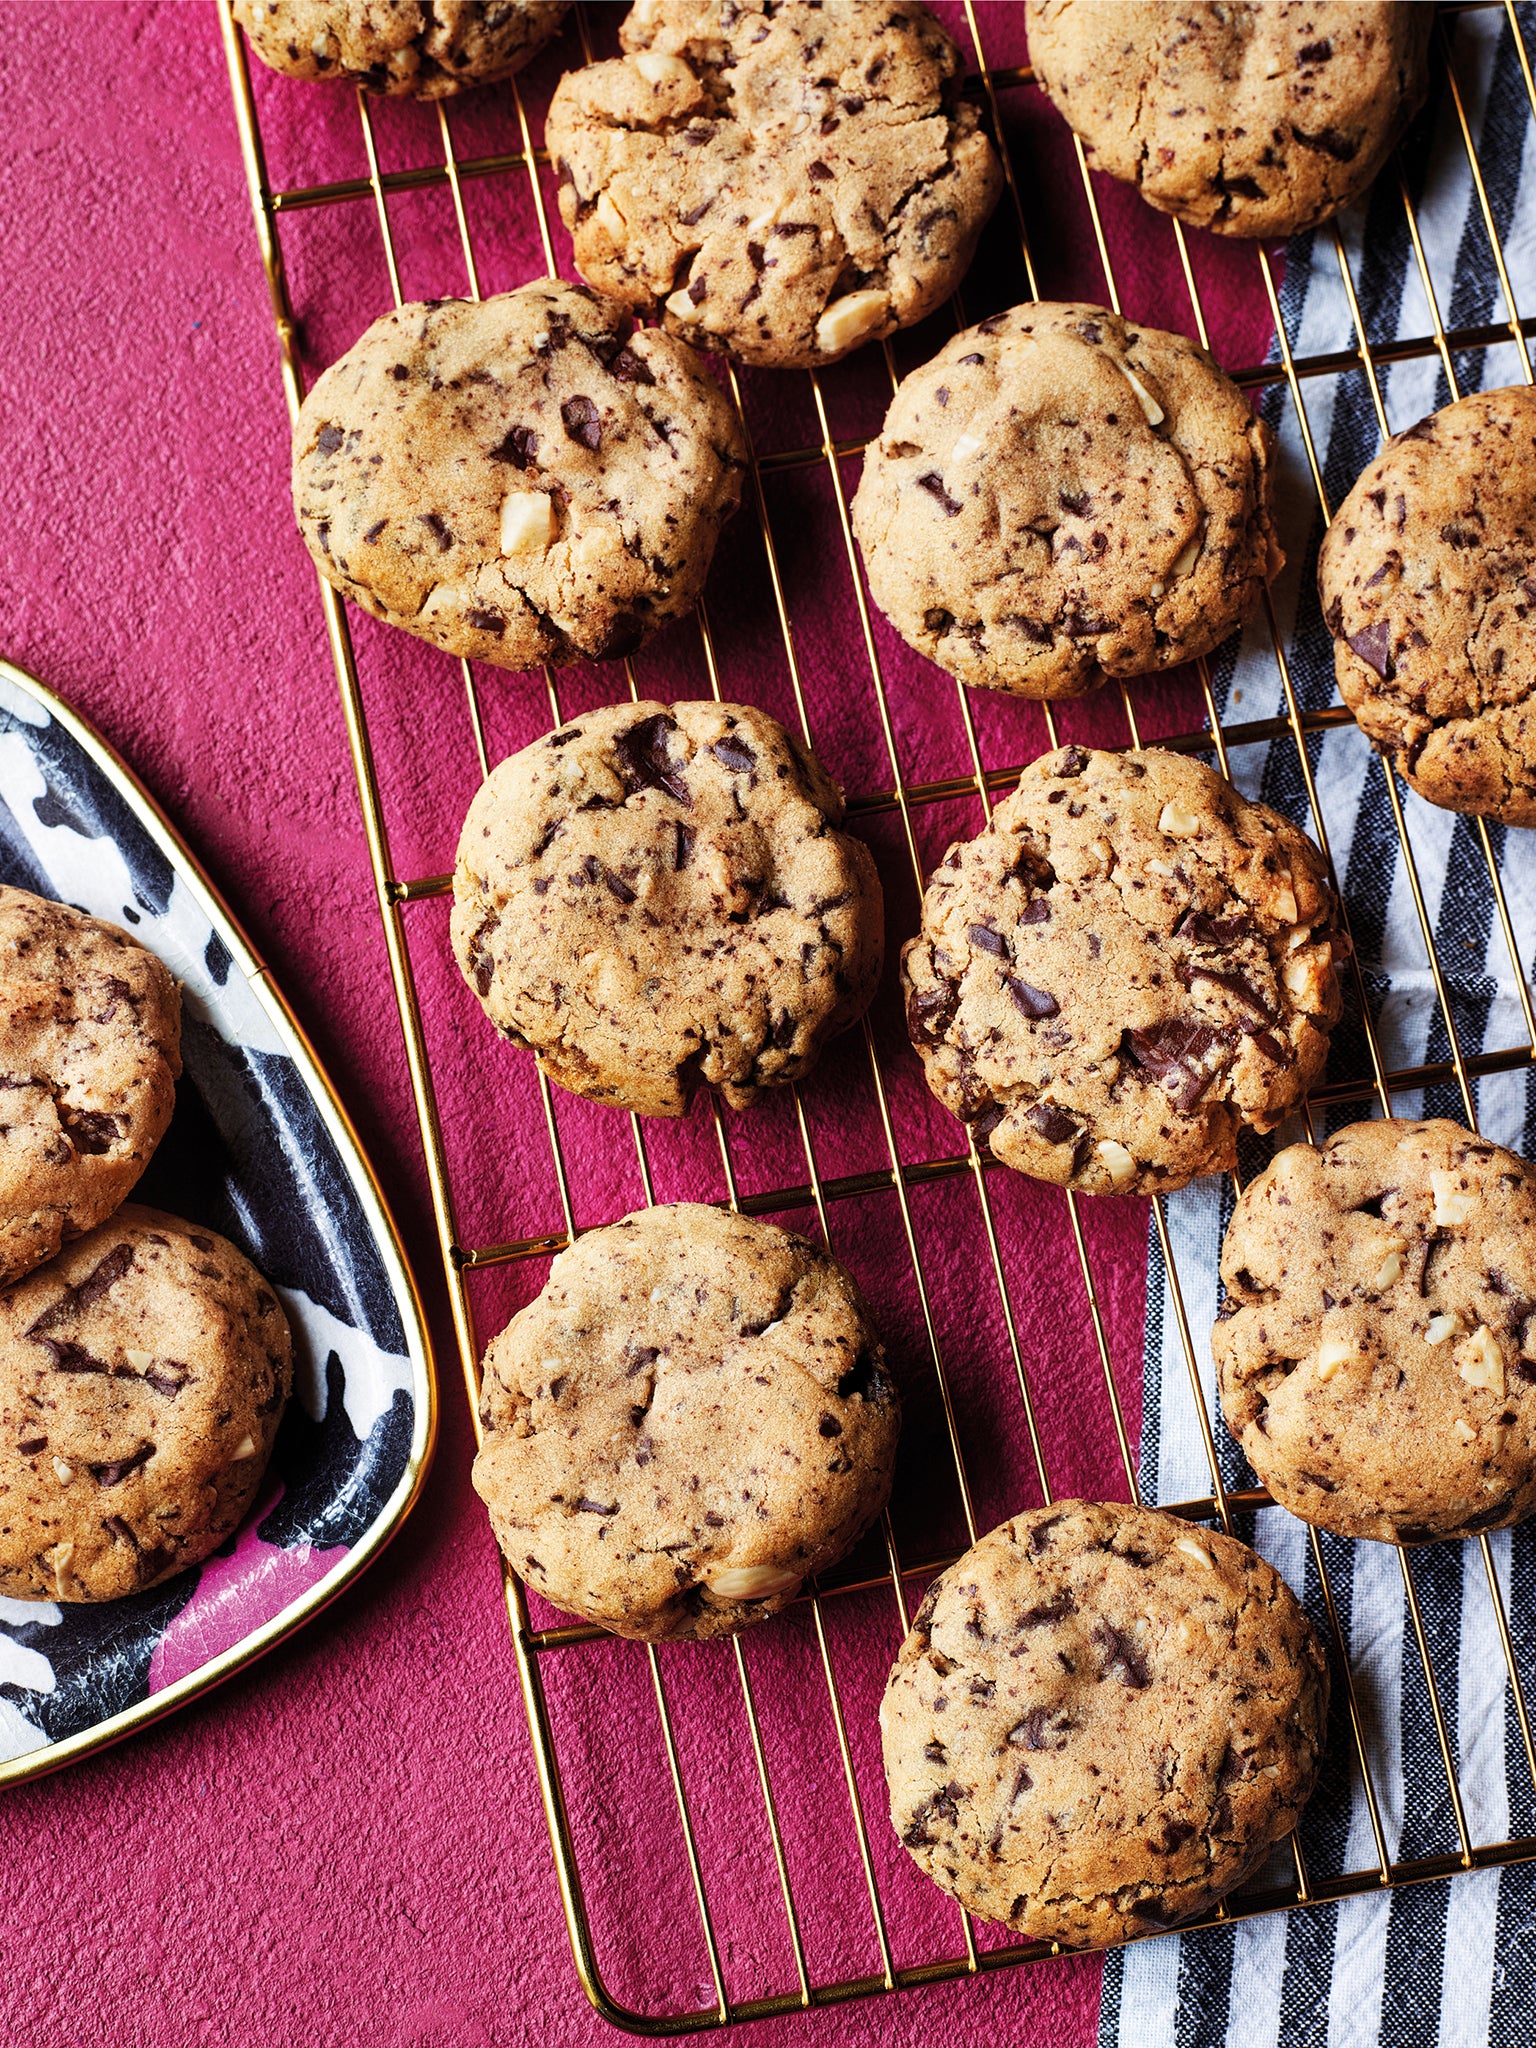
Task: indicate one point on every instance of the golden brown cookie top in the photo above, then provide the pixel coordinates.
(143, 1374)
(657, 898)
(1427, 577)
(518, 480)
(424, 48)
(1061, 495)
(1377, 1344)
(90, 1049)
(693, 1416)
(785, 181)
(1102, 1718)
(1247, 119)
(1128, 966)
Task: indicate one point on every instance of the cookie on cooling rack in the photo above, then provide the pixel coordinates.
(1247, 119)
(1102, 1720)
(424, 48)
(692, 1418)
(1377, 1345)
(1427, 576)
(143, 1374)
(1061, 496)
(782, 181)
(520, 480)
(1130, 964)
(658, 899)
(90, 1048)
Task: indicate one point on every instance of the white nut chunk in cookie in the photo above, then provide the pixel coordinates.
(782, 180)
(1099, 1721)
(692, 1418)
(1102, 987)
(528, 522)
(1422, 1331)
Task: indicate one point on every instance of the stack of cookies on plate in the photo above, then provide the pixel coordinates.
(144, 1362)
(1103, 1717)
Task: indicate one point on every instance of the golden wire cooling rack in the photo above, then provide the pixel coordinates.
(852, 1918)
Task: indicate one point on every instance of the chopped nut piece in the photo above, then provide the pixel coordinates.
(141, 1361)
(1197, 1551)
(657, 69)
(65, 1472)
(527, 522)
(60, 1557)
(1298, 977)
(1297, 938)
(1149, 405)
(1480, 1361)
(1118, 1163)
(850, 318)
(751, 1582)
(246, 1448)
(1464, 1431)
(965, 448)
(1331, 1354)
(1187, 557)
(1453, 1202)
(611, 217)
(1285, 901)
(1440, 1327)
(682, 306)
(1177, 823)
(1391, 1268)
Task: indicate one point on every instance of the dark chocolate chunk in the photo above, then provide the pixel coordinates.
(1121, 1656)
(518, 446)
(644, 760)
(734, 752)
(91, 1289)
(1053, 1124)
(119, 1468)
(582, 424)
(1033, 1002)
(933, 483)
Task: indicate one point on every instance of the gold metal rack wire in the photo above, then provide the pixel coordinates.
(897, 1180)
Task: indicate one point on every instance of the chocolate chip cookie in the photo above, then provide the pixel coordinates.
(1428, 581)
(1247, 119)
(1127, 967)
(519, 480)
(781, 179)
(424, 48)
(1377, 1345)
(691, 1419)
(657, 899)
(1102, 1720)
(142, 1378)
(90, 1048)
(1060, 496)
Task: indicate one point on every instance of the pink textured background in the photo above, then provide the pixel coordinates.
(345, 1846)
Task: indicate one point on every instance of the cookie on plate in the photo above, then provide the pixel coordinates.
(783, 181)
(656, 899)
(1130, 964)
(425, 48)
(1377, 1345)
(1247, 119)
(519, 480)
(1061, 496)
(1102, 1720)
(692, 1418)
(1427, 576)
(90, 1049)
(143, 1374)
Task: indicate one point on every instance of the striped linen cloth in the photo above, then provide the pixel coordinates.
(1445, 1963)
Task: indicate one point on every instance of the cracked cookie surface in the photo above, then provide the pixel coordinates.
(1061, 496)
(1427, 577)
(424, 48)
(519, 480)
(655, 899)
(143, 1374)
(1377, 1345)
(1101, 1721)
(1250, 120)
(692, 1417)
(90, 1049)
(783, 181)
(1129, 965)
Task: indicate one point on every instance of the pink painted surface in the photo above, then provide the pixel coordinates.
(345, 1845)
(237, 1594)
